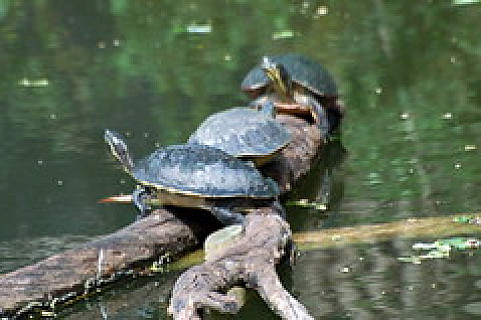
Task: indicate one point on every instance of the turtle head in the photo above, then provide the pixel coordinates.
(119, 149)
(279, 77)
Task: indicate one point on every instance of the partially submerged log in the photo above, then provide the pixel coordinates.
(249, 259)
(165, 234)
(411, 228)
(77, 272)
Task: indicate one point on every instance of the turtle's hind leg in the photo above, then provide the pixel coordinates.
(227, 216)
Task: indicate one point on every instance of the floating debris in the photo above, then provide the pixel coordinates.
(441, 248)
(306, 203)
(345, 270)
(447, 116)
(47, 314)
(36, 83)
(404, 116)
(322, 11)
(199, 29)
(470, 147)
(459, 243)
(285, 34)
(465, 2)
(424, 246)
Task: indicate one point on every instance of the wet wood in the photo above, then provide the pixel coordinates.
(250, 260)
(78, 271)
(163, 235)
(412, 228)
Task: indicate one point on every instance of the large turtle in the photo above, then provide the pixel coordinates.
(298, 85)
(244, 133)
(196, 176)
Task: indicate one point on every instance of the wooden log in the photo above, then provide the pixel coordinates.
(163, 235)
(249, 259)
(78, 271)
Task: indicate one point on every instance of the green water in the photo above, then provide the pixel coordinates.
(409, 73)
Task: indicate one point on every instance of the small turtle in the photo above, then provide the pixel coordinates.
(196, 176)
(244, 133)
(298, 85)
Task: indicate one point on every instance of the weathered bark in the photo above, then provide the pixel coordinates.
(249, 259)
(77, 271)
(164, 234)
(411, 228)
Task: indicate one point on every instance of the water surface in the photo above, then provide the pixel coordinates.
(409, 73)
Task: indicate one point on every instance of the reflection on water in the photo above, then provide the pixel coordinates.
(24, 251)
(408, 72)
(368, 283)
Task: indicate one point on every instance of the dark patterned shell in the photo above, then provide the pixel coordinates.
(203, 171)
(242, 132)
(303, 70)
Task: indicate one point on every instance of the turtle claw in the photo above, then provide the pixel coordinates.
(140, 197)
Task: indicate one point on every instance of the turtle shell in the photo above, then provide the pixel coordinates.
(303, 71)
(202, 171)
(242, 132)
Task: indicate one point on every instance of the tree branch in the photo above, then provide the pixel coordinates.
(249, 259)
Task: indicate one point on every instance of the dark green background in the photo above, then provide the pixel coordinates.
(408, 71)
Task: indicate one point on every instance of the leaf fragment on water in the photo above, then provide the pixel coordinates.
(441, 248)
(465, 2)
(285, 34)
(199, 29)
(33, 83)
(423, 246)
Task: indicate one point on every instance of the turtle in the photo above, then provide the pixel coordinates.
(298, 85)
(244, 133)
(196, 176)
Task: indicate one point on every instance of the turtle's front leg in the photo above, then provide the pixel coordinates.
(320, 117)
(140, 197)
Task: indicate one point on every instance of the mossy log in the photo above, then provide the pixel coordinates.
(163, 235)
